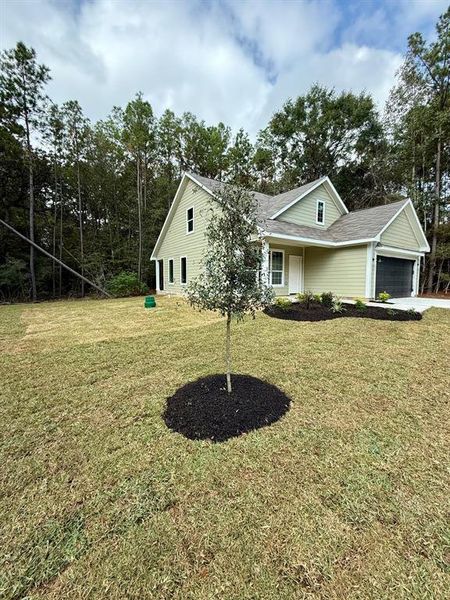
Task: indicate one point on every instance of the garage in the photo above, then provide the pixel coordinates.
(394, 276)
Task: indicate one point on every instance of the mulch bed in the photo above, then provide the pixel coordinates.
(203, 409)
(317, 312)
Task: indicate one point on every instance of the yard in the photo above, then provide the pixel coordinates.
(346, 496)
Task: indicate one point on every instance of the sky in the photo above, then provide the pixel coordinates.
(233, 61)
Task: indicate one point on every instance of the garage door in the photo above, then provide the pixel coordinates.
(394, 276)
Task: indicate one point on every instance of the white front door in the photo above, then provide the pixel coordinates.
(295, 274)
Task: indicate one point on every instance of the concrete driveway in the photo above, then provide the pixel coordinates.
(419, 304)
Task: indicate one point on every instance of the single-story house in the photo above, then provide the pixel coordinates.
(310, 240)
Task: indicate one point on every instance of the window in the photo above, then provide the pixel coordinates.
(320, 214)
(171, 278)
(190, 220)
(276, 267)
(183, 270)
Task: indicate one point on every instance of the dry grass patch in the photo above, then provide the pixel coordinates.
(345, 496)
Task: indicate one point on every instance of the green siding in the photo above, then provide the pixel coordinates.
(400, 233)
(304, 212)
(177, 243)
(342, 270)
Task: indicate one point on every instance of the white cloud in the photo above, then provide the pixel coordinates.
(232, 61)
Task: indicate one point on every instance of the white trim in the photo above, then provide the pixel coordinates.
(265, 261)
(157, 274)
(168, 271)
(276, 285)
(313, 242)
(181, 271)
(187, 221)
(397, 252)
(416, 276)
(369, 292)
(322, 202)
(425, 247)
(319, 182)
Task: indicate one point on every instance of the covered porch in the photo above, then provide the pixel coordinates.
(284, 266)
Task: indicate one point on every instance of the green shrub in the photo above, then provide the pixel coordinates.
(360, 304)
(283, 303)
(337, 306)
(126, 284)
(318, 298)
(327, 299)
(383, 296)
(306, 298)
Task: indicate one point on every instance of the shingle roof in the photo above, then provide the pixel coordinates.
(357, 225)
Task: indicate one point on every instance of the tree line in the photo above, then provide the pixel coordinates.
(95, 194)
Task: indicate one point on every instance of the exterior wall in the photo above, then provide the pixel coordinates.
(178, 243)
(400, 234)
(288, 250)
(340, 270)
(304, 212)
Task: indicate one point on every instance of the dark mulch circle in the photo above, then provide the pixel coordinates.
(203, 409)
(317, 312)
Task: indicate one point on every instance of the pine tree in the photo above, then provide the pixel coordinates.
(22, 83)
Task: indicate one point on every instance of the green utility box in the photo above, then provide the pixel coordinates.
(150, 302)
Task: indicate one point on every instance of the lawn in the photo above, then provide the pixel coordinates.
(346, 496)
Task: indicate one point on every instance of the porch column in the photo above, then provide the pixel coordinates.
(265, 262)
(157, 274)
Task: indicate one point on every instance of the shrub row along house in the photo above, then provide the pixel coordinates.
(310, 241)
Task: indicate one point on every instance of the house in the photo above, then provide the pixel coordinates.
(311, 241)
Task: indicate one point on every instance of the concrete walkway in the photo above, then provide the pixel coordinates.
(420, 304)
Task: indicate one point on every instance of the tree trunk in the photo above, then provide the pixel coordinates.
(228, 353)
(138, 185)
(80, 216)
(55, 218)
(60, 235)
(31, 193)
(435, 221)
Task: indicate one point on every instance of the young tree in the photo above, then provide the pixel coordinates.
(22, 82)
(231, 281)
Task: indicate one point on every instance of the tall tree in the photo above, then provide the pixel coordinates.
(323, 133)
(139, 139)
(77, 139)
(22, 83)
(428, 66)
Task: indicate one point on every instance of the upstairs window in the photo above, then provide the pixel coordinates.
(276, 267)
(320, 212)
(171, 277)
(183, 270)
(190, 220)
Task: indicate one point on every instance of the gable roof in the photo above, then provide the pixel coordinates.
(359, 226)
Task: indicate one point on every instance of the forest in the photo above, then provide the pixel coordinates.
(95, 194)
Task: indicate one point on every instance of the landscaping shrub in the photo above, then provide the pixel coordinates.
(126, 284)
(318, 298)
(306, 298)
(383, 297)
(360, 304)
(327, 299)
(283, 303)
(337, 306)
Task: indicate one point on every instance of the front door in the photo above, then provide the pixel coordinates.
(295, 274)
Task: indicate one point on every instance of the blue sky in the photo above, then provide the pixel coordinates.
(228, 60)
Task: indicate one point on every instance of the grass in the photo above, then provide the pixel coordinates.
(346, 496)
